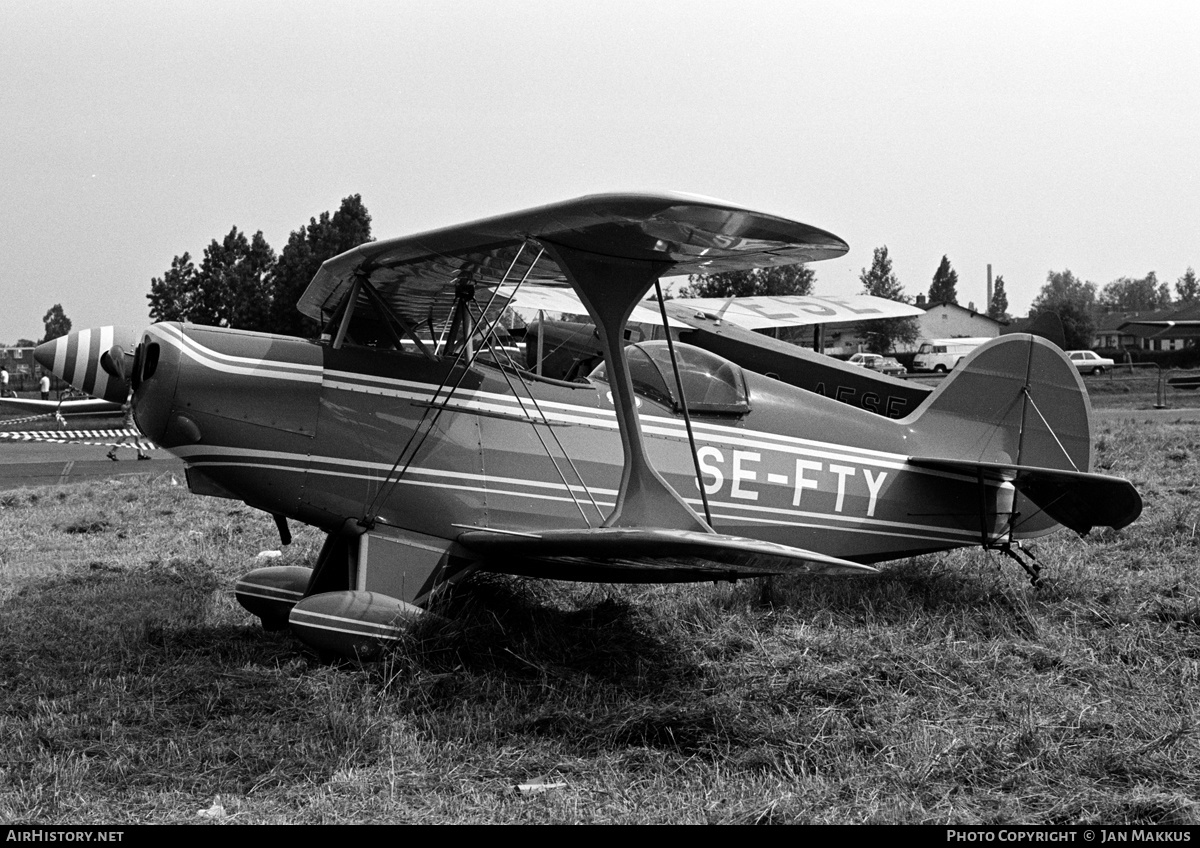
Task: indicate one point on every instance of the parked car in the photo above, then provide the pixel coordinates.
(1089, 362)
(940, 355)
(883, 364)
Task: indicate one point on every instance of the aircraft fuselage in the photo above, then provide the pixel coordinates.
(319, 434)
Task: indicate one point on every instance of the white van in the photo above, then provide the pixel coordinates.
(943, 354)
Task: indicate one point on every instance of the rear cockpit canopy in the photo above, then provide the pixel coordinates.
(711, 385)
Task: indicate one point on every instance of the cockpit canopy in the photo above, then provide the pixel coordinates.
(711, 385)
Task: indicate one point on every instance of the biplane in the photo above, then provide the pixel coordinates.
(424, 449)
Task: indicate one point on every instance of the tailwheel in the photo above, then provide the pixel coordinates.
(1026, 559)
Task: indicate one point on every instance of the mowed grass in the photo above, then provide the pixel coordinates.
(134, 689)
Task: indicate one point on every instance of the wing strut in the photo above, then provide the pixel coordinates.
(610, 287)
(687, 416)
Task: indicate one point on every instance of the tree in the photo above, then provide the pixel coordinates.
(1187, 288)
(786, 279)
(998, 308)
(240, 282)
(882, 335)
(1128, 294)
(308, 247)
(57, 323)
(232, 286)
(1073, 301)
(171, 294)
(945, 284)
(229, 289)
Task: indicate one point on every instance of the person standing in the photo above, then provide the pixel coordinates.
(44, 385)
(132, 435)
(4, 381)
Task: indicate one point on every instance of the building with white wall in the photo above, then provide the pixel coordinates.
(950, 321)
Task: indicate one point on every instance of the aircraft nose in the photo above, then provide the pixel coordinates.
(96, 361)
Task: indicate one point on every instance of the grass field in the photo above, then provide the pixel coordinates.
(133, 689)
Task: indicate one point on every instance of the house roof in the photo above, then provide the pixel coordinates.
(1017, 325)
(1142, 331)
(1177, 323)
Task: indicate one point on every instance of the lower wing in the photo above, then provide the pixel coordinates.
(636, 554)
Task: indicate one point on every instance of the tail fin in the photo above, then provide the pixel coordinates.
(1015, 400)
(1016, 409)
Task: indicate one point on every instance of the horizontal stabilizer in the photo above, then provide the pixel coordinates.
(1076, 499)
(635, 554)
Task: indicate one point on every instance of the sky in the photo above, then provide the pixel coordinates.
(1035, 137)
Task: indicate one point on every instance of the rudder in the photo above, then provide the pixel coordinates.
(1016, 411)
(1015, 401)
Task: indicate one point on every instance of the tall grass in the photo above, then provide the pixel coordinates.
(946, 689)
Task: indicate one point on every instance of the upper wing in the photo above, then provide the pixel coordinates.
(684, 234)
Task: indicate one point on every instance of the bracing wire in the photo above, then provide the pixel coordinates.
(392, 479)
(544, 419)
(1050, 429)
(546, 448)
(432, 413)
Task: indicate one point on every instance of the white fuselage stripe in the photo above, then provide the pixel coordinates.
(483, 485)
(557, 412)
(246, 366)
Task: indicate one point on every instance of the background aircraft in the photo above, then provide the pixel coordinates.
(569, 350)
(424, 451)
(78, 406)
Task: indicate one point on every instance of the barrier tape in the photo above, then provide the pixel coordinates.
(99, 438)
(26, 420)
